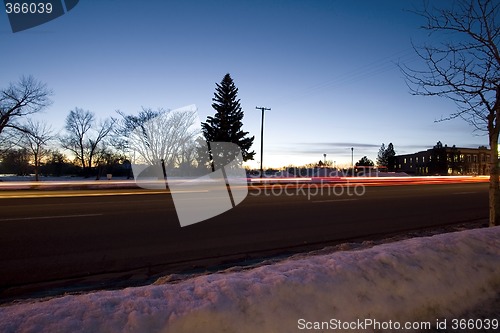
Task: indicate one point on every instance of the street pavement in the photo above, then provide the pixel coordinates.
(62, 238)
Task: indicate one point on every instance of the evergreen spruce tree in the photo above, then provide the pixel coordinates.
(385, 156)
(381, 156)
(390, 156)
(225, 125)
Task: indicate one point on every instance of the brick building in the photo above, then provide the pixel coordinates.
(444, 160)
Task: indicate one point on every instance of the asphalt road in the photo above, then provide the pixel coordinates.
(60, 235)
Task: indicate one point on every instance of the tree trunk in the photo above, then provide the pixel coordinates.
(494, 190)
(36, 169)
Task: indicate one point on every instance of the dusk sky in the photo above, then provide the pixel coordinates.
(327, 69)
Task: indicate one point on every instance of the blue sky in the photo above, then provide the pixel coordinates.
(326, 68)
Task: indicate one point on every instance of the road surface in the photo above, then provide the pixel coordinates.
(76, 236)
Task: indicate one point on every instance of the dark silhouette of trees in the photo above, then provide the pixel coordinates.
(226, 124)
(108, 161)
(386, 156)
(381, 156)
(390, 154)
(365, 161)
(465, 68)
(35, 137)
(24, 97)
(84, 137)
(57, 164)
(16, 161)
(127, 124)
(161, 135)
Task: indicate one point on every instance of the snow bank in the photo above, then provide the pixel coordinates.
(415, 279)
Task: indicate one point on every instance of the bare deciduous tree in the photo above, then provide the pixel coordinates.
(22, 98)
(105, 159)
(34, 137)
(166, 135)
(465, 68)
(84, 137)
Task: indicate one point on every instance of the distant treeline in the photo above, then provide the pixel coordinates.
(56, 164)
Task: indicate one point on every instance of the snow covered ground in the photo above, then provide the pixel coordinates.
(410, 282)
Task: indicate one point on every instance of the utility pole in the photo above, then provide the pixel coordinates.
(262, 139)
(352, 160)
